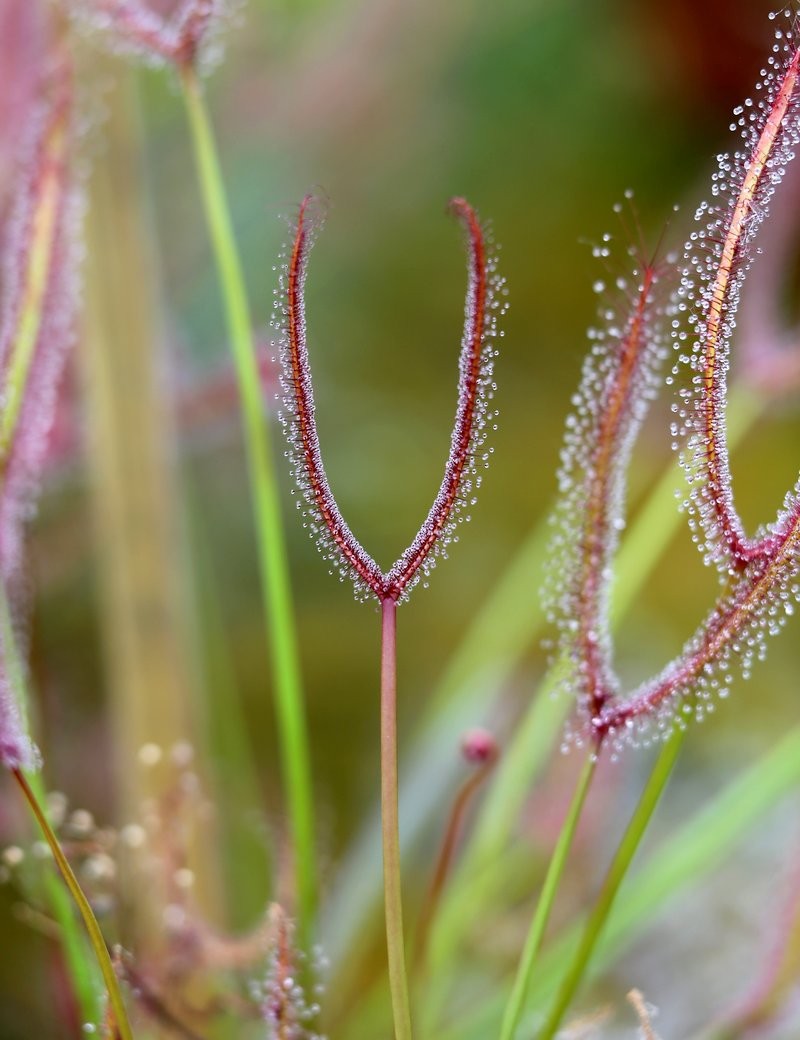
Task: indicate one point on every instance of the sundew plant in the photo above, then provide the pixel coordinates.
(290, 816)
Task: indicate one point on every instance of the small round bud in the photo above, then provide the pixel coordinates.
(478, 746)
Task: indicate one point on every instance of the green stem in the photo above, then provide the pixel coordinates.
(271, 544)
(614, 878)
(92, 927)
(547, 896)
(393, 904)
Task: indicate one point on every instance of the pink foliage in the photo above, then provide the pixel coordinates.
(40, 262)
(40, 274)
(22, 48)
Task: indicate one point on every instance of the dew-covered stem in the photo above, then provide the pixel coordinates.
(86, 912)
(474, 393)
(544, 906)
(626, 850)
(393, 903)
(618, 412)
(270, 537)
(351, 556)
(618, 381)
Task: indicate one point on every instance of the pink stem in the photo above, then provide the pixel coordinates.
(395, 944)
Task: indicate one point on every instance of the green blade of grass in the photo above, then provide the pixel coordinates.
(545, 902)
(626, 850)
(269, 525)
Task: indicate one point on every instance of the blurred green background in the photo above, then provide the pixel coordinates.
(541, 115)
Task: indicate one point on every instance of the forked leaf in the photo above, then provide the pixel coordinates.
(461, 477)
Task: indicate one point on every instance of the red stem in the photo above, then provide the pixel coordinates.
(445, 859)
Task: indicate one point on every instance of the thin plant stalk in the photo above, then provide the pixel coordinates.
(626, 850)
(547, 897)
(446, 853)
(271, 544)
(80, 970)
(70, 939)
(393, 901)
(90, 921)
